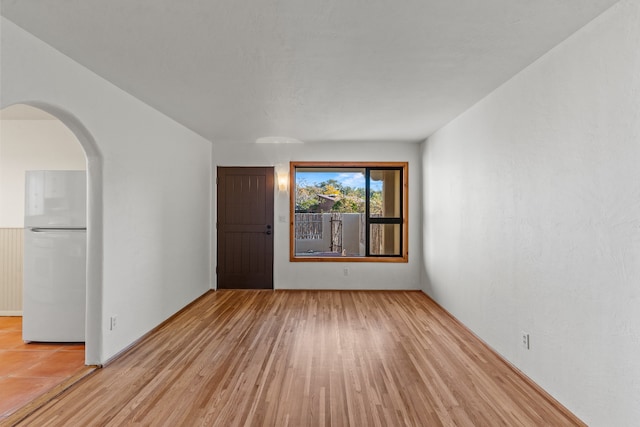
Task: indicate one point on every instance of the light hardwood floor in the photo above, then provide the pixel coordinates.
(298, 358)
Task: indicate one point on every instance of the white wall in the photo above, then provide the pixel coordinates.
(32, 145)
(328, 275)
(155, 191)
(532, 219)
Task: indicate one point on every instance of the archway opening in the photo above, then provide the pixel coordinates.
(35, 122)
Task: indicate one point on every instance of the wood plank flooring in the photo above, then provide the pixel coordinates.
(306, 358)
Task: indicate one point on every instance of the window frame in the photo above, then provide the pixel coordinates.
(403, 220)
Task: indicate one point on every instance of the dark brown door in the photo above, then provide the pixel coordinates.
(245, 228)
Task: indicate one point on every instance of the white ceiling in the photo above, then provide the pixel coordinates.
(340, 70)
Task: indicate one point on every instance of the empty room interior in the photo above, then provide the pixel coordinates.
(325, 213)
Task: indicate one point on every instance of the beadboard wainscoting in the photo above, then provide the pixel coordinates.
(11, 252)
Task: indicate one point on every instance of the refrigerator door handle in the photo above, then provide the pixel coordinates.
(48, 230)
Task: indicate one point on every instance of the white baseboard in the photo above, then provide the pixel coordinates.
(10, 312)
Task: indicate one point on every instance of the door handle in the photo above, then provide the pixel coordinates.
(268, 232)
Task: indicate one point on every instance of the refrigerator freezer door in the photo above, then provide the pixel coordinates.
(54, 286)
(55, 199)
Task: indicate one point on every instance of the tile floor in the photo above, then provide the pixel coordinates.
(29, 370)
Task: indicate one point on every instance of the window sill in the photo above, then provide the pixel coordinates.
(384, 259)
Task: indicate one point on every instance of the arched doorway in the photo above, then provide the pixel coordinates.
(94, 220)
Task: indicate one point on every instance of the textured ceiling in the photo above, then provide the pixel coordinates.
(340, 70)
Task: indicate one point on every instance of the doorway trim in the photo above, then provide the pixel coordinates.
(93, 323)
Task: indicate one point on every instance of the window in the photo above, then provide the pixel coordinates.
(349, 211)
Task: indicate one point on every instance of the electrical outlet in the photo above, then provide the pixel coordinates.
(113, 322)
(525, 340)
(345, 271)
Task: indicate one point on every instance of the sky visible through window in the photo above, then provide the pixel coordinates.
(347, 179)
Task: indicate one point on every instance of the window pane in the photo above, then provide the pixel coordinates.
(330, 190)
(384, 239)
(329, 212)
(385, 193)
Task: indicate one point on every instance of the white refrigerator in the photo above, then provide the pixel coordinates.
(55, 243)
